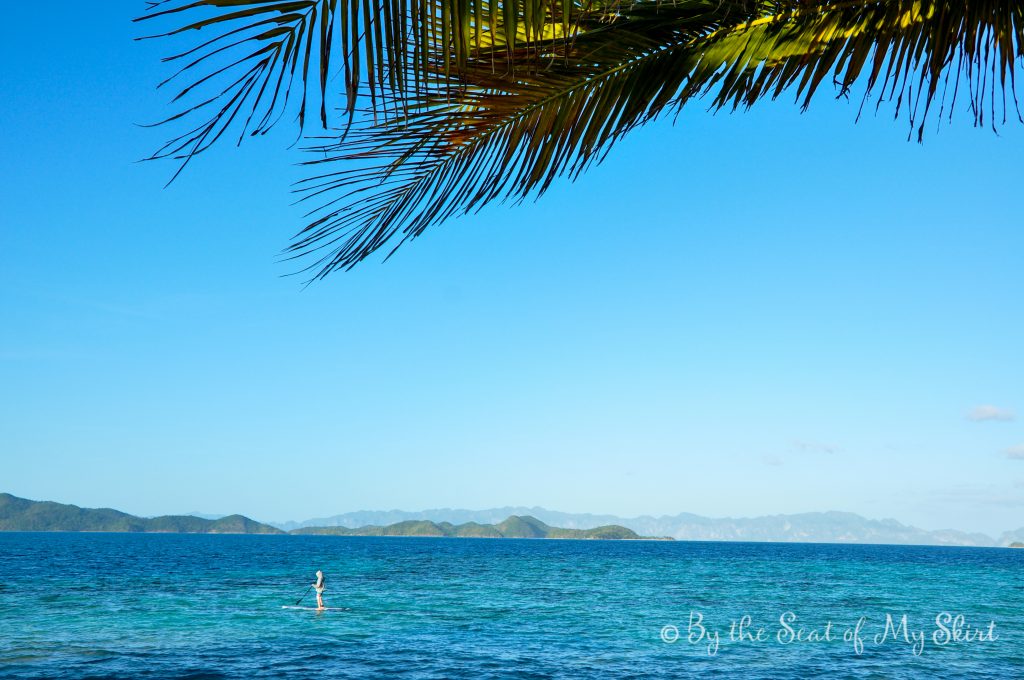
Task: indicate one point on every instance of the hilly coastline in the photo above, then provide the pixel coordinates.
(20, 514)
(809, 527)
(512, 527)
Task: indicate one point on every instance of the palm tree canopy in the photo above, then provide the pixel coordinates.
(446, 105)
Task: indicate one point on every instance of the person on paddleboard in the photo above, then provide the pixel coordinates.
(320, 584)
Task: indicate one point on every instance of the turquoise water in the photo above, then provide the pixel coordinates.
(187, 606)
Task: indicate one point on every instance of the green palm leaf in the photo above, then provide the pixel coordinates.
(252, 54)
(476, 113)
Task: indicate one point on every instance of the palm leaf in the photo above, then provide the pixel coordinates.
(499, 137)
(254, 53)
(492, 101)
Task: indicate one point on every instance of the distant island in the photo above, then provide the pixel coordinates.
(20, 514)
(514, 526)
(807, 527)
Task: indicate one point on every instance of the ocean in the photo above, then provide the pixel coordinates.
(210, 606)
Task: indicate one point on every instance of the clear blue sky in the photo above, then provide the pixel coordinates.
(743, 314)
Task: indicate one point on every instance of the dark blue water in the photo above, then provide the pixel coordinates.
(185, 606)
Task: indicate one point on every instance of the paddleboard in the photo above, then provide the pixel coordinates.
(314, 609)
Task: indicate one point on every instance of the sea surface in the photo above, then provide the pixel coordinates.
(206, 606)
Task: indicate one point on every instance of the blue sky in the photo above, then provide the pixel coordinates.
(746, 314)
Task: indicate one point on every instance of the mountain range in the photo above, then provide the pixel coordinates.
(809, 527)
(514, 526)
(19, 514)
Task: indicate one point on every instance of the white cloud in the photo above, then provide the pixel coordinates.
(987, 412)
(774, 461)
(1015, 452)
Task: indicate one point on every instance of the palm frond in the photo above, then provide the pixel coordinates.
(907, 51)
(258, 51)
(261, 53)
(493, 100)
(504, 128)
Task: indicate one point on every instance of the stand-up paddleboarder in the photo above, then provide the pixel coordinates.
(320, 584)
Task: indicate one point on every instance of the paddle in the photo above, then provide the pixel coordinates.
(303, 596)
